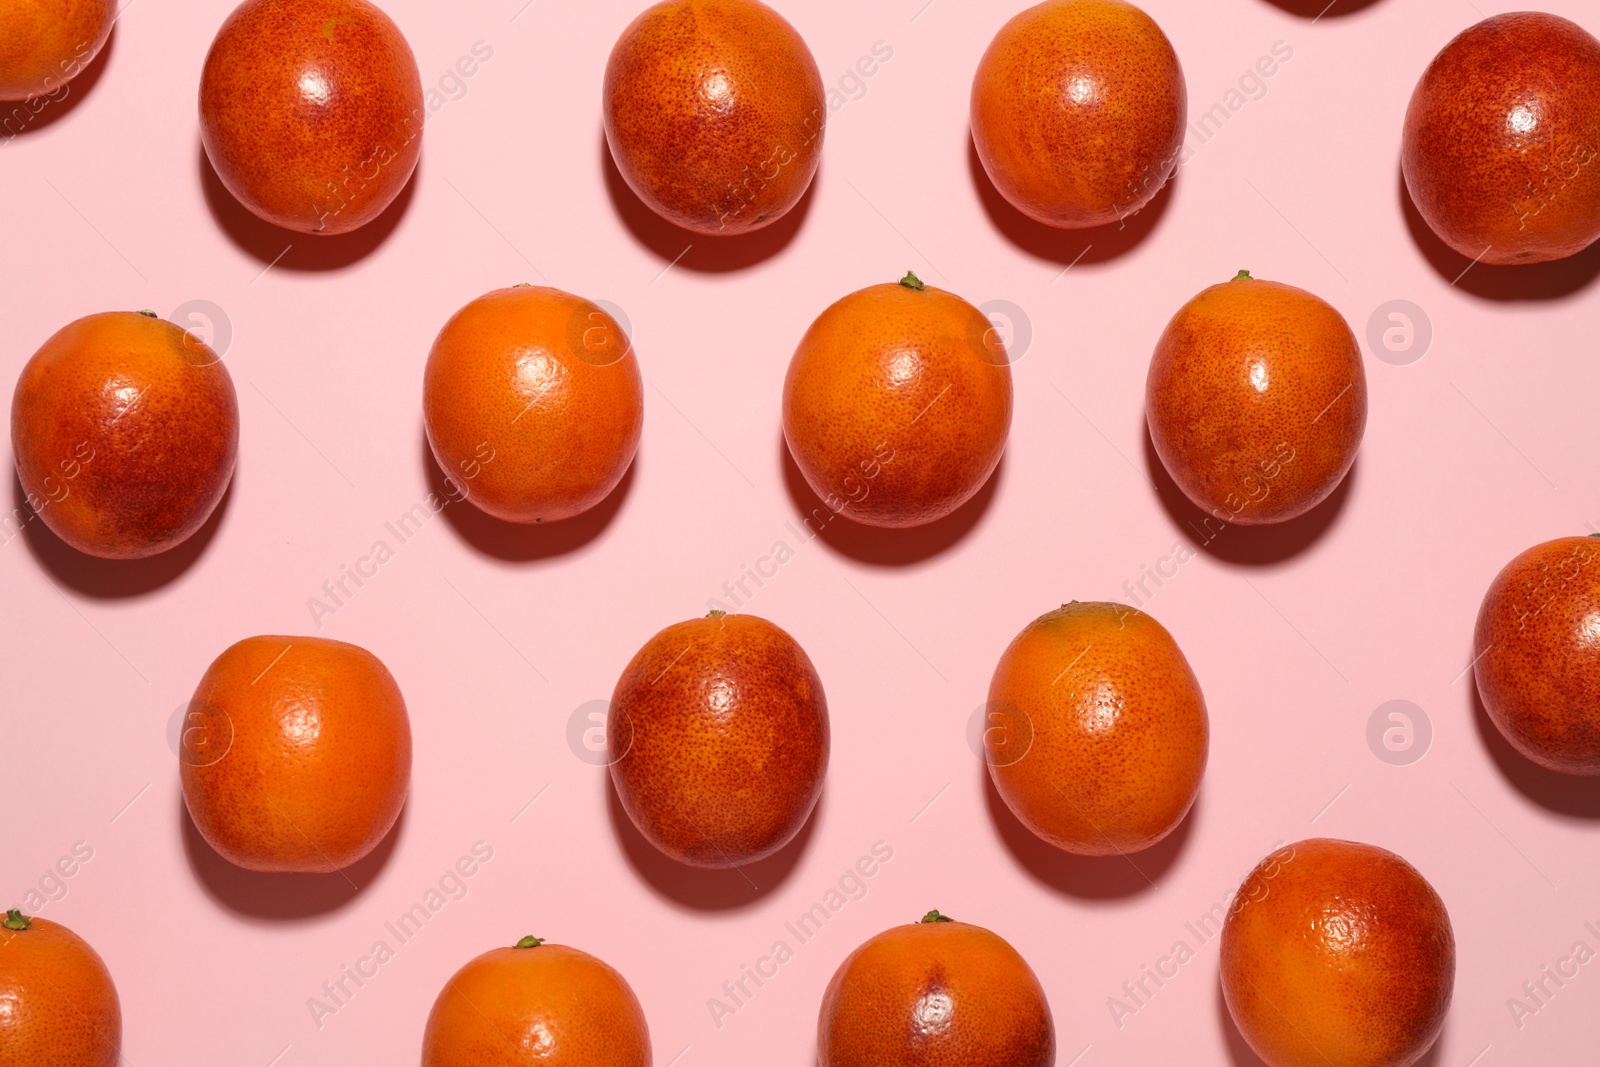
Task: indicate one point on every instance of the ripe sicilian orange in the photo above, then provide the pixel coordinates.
(536, 1003)
(299, 758)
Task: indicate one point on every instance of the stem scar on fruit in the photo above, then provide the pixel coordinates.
(934, 917)
(1243, 276)
(529, 942)
(911, 281)
(15, 920)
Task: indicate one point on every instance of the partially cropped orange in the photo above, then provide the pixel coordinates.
(897, 403)
(714, 113)
(533, 403)
(935, 993)
(44, 44)
(1104, 733)
(58, 1005)
(125, 429)
(1078, 111)
(535, 1002)
(296, 754)
(1337, 952)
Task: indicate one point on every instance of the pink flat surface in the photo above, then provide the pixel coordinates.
(1480, 449)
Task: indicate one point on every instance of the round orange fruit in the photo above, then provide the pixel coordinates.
(1256, 400)
(720, 742)
(1105, 733)
(1337, 952)
(311, 112)
(536, 1002)
(897, 403)
(714, 112)
(933, 993)
(58, 1005)
(533, 403)
(1536, 654)
(296, 754)
(1078, 111)
(1501, 137)
(44, 45)
(125, 429)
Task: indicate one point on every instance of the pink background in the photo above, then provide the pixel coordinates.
(1482, 448)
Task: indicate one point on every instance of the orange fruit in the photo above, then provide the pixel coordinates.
(1501, 137)
(1078, 111)
(1535, 656)
(533, 1001)
(533, 403)
(897, 403)
(714, 113)
(1337, 952)
(1098, 733)
(1256, 400)
(311, 111)
(296, 754)
(931, 994)
(58, 1006)
(43, 46)
(720, 741)
(125, 430)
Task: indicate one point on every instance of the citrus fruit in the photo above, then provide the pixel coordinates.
(897, 403)
(1256, 400)
(43, 46)
(536, 1002)
(125, 430)
(1337, 952)
(1501, 137)
(298, 754)
(1103, 729)
(714, 112)
(311, 112)
(1536, 654)
(533, 403)
(58, 1006)
(931, 994)
(719, 739)
(1078, 111)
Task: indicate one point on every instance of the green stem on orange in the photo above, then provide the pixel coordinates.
(149, 314)
(529, 942)
(935, 917)
(911, 281)
(1243, 276)
(715, 613)
(1595, 535)
(15, 920)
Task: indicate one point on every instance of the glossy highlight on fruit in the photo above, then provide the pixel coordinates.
(44, 45)
(58, 1005)
(1502, 137)
(1256, 400)
(1078, 111)
(718, 740)
(897, 403)
(533, 403)
(1337, 952)
(1098, 733)
(536, 1002)
(933, 993)
(125, 429)
(311, 111)
(296, 754)
(714, 113)
(1536, 654)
